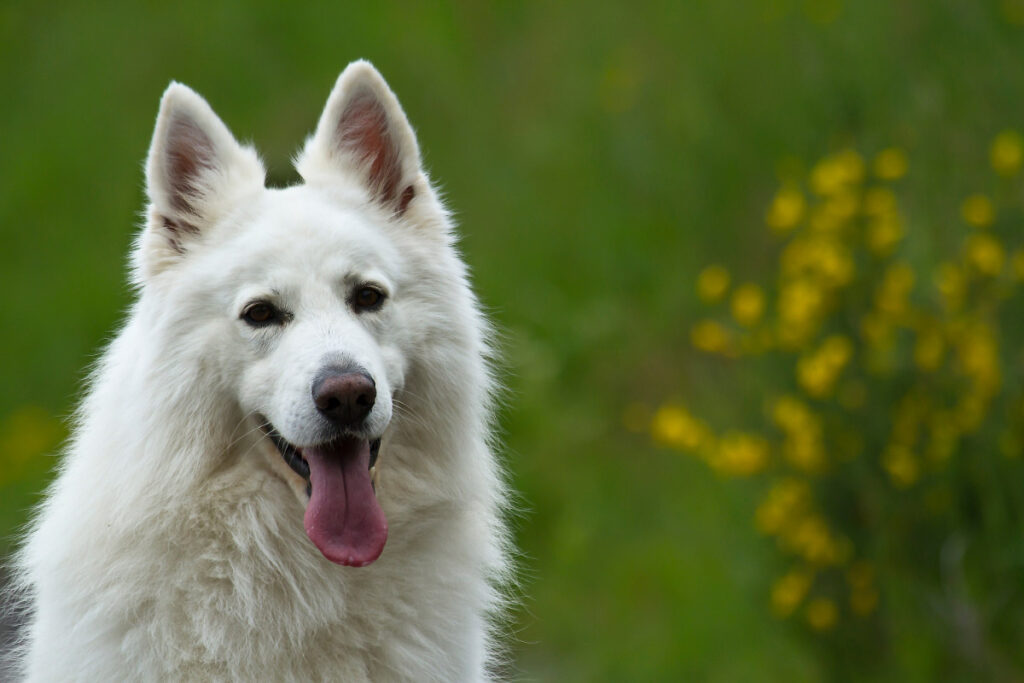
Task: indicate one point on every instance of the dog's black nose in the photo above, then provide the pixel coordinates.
(345, 398)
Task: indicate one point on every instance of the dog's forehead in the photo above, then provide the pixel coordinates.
(300, 225)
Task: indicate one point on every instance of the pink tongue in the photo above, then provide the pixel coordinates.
(343, 517)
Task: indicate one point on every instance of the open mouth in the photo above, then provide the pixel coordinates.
(293, 456)
(343, 517)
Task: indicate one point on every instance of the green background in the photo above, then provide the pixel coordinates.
(596, 155)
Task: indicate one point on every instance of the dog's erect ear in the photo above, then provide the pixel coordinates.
(363, 135)
(195, 170)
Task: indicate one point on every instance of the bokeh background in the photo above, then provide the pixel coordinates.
(755, 264)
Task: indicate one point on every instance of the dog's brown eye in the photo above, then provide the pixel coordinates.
(260, 313)
(368, 298)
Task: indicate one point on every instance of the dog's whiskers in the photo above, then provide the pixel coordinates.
(406, 413)
(238, 424)
(260, 425)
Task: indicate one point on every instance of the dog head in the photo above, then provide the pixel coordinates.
(298, 301)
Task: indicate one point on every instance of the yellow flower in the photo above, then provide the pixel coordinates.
(802, 447)
(978, 211)
(789, 591)
(852, 165)
(929, 349)
(710, 336)
(952, 284)
(740, 454)
(884, 233)
(835, 265)
(822, 259)
(836, 350)
(786, 501)
(817, 372)
(786, 210)
(901, 465)
(673, 425)
(891, 164)
(811, 538)
(799, 301)
(822, 614)
(1007, 152)
(843, 205)
(837, 172)
(792, 415)
(985, 253)
(805, 451)
(747, 304)
(769, 517)
(712, 283)
(833, 214)
(970, 412)
(978, 353)
(879, 201)
(944, 430)
(892, 293)
(826, 177)
(669, 424)
(1017, 264)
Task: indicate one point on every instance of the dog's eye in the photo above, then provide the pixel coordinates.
(260, 314)
(367, 299)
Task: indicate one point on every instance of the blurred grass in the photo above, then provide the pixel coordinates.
(597, 155)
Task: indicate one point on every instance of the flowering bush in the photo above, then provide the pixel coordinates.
(891, 455)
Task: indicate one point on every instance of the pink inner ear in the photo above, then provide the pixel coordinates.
(189, 153)
(363, 131)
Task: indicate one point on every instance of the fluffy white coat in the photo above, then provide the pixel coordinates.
(171, 544)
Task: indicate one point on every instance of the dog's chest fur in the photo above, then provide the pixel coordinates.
(236, 594)
(226, 588)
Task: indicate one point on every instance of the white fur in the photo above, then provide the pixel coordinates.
(171, 545)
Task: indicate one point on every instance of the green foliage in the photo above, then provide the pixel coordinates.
(598, 156)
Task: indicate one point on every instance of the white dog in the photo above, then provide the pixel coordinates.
(282, 469)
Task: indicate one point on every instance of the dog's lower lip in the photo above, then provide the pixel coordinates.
(292, 455)
(374, 452)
